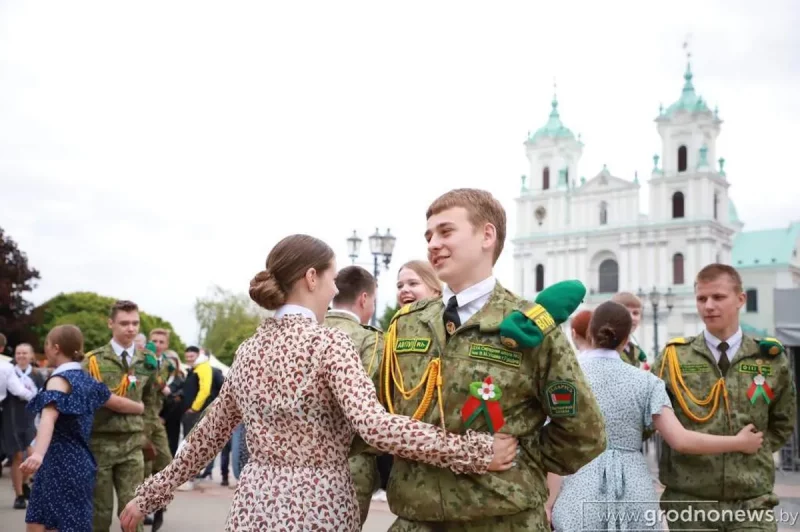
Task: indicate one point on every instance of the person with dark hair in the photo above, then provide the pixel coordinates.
(618, 482)
(719, 381)
(352, 308)
(117, 439)
(302, 392)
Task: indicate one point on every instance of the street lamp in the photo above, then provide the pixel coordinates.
(655, 300)
(381, 247)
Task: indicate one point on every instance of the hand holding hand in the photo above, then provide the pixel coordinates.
(505, 452)
(131, 516)
(32, 464)
(750, 440)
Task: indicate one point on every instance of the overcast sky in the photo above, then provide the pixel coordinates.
(151, 149)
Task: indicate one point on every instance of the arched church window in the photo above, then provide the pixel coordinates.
(683, 162)
(677, 268)
(546, 178)
(677, 205)
(608, 282)
(603, 213)
(539, 277)
(716, 204)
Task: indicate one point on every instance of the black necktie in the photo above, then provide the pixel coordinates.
(723, 363)
(451, 319)
(124, 357)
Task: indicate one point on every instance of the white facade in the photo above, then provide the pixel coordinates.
(594, 231)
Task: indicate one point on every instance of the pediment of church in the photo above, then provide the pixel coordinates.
(605, 182)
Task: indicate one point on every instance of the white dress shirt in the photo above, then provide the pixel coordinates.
(118, 349)
(734, 342)
(10, 383)
(472, 299)
(285, 310)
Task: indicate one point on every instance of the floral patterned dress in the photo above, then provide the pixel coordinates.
(303, 394)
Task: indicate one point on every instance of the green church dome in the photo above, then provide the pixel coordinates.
(554, 128)
(689, 101)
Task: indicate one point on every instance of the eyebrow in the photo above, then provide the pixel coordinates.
(439, 226)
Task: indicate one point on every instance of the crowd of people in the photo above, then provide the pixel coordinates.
(473, 411)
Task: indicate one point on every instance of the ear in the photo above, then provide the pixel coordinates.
(742, 297)
(489, 235)
(311, 279)
(110, 322)
(362, 300)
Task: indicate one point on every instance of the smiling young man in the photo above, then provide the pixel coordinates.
(748, 380)
(447, 358)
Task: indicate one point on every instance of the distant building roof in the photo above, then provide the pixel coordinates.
(769, 247)
(554, 128)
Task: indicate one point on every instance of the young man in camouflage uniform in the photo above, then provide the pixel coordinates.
(632, 354)
(116, 440)
(154, 431)
(747, 380)
(469, 366)
(352, 308)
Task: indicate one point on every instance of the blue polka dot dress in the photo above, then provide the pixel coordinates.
(63, 487)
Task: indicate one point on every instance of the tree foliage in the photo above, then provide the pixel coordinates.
(226, 320)
(89, 311)
(16, 278)
(386, 317)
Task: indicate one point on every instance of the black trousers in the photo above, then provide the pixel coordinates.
(384, 468)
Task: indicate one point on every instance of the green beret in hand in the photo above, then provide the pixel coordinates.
(149, 360)
(554, 305)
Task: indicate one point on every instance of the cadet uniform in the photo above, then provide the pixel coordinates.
(634, 355)
(116, 440)
(757, 388)
(369, 343)
(154, 430)
(509, 367)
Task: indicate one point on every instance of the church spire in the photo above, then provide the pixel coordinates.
(688, 87)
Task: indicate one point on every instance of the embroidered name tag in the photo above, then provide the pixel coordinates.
(695, 368)
(495, 354)
(752, 369)
(412, 345)
(562, 397)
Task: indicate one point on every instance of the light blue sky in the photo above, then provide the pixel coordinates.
(151, 149)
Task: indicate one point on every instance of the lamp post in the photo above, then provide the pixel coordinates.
(655, 300)
(381, 247)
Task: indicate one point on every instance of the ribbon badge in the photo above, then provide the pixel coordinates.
(759, 387)
(131, 381)
(483, 401)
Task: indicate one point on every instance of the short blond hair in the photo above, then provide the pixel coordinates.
(163, 332)
(712, 272)
(426, 274)
(481, 207)
(627, 299)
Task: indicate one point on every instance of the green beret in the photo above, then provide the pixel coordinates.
(554, 305)
(150, 361)
(642, 355)
(770, 346)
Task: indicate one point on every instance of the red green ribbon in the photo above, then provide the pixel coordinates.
(760, 390)
(483, 401)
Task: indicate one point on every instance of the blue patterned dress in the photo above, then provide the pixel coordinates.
(63, 487)
(615, 491)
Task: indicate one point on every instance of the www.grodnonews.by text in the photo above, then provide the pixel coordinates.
(649, 517)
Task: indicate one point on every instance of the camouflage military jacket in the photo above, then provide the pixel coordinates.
(632, 357)
(731, 476)
(112, 373)
(162, 374)
(367, 339)
(535, 384)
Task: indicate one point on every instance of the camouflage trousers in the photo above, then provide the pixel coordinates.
(533, 520)
(157, 434)
(364, 470)
(120, 468)
(681, 511)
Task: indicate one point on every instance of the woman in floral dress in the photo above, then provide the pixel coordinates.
(302, 393)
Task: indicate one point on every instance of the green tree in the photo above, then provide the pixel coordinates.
(386, 317)
(89, 311)
(226, 320)
(16, 278)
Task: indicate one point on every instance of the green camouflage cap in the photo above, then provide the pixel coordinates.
(554, 305)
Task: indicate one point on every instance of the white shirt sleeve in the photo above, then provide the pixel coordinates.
(14, 386)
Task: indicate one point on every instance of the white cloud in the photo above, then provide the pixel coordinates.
(148, 150)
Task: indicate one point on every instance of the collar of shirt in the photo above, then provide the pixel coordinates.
(285, 310)
(600, 353)
(733, 344)
(67, 366)
(472, 299)
(22, 373)
(345, 313)
(118, 349)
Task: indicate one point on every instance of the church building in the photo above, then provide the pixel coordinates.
(594, 230)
